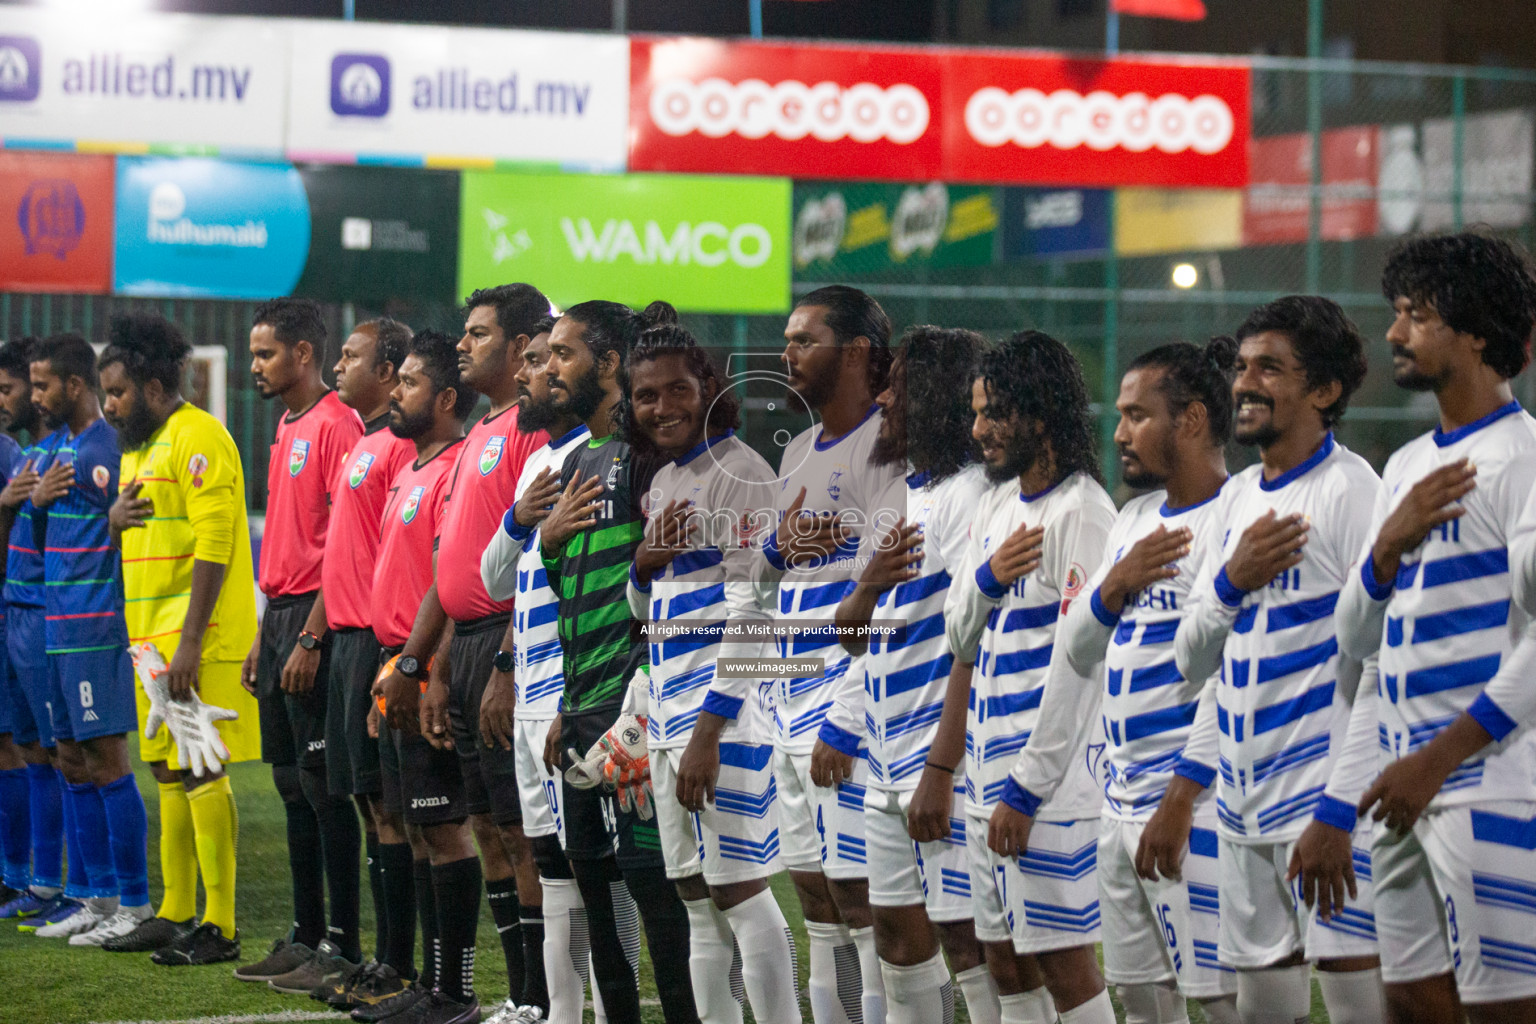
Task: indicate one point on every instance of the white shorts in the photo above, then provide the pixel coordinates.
(1047, 899)
(538, 791)
(820, 829)
(1458, 894)
(903, 873)
(1264, 919)
(736, 838)
(1165, 930)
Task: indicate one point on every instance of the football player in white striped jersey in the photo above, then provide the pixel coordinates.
(1033, 814)
(894, 704)
(1434, 592)
(715, 807)
(1262, 615)
(1159, 931)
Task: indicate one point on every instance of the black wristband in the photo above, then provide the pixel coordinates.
(947, 771)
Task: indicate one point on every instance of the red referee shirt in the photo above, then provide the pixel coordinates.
(308, 454)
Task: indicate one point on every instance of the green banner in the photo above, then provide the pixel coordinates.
(843, 229)
(705, 244)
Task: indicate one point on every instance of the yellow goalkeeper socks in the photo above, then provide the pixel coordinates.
(217, 826)
(178, 853)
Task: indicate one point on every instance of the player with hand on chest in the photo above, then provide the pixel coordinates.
(1033, 735)
(1262, 616)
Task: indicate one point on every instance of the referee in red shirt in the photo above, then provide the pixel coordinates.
(287, 669)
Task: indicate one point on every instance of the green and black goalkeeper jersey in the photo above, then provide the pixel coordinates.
(600, 639)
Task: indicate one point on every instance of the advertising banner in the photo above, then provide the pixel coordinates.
(463, 96)
(208, 228)
(796, 110)
(1055, 222)
(704, 244)
(862, 229)
(130, 81)
(381, 235)
(1050, 119)
(1154, 220)
(1497, 150)
(1277, 204)
(55, 222)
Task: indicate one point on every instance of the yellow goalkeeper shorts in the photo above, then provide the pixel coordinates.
(218, 684)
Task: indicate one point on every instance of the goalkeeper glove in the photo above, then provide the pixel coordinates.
(199, 747)
(622, 761)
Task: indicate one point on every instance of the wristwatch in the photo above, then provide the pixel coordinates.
(409, 667)
(309, 641)
(502, 662)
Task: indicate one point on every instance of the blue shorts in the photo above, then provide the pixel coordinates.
(92, 694)
(27, 675)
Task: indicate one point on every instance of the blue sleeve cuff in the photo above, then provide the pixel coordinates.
(516, 530)
(988, 582)
(1333, 811)
(1378, 591)
(771, 552)
(634, 578)
(839, 739)
(1491, 717)
(1100, 612)
(1201, 775)
(725, 707)
(1019, 798)
(1230, 595)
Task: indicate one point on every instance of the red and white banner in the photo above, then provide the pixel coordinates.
(800, 111)
(1048, 119)
(1277, 204)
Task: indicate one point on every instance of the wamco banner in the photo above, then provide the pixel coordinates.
(704, 244)
(128, 81)
(425, 94)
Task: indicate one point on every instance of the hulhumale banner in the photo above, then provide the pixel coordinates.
(704, 244)
(213, 228)
(131, 82)
(55, 222)
(862, 229)
(421, 94)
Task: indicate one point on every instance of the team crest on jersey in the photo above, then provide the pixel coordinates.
(613, 473)
(412, 503)
(101, 477)
(197, 465)
(360, 470)
(298, 455)
(835, 485)
(490, 455)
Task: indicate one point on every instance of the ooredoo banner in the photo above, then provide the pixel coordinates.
(210, 228)
(126, 81)
(795, 110)
(704, 244)
(427, 94)
(55, 222)
(1050, 119)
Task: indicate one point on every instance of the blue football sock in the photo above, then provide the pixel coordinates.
(91, 837)
(129, 828)
(47, 806)
(16, 834)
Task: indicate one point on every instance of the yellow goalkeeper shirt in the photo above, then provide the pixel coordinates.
(191, 471)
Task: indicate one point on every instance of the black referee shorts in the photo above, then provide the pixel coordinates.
(292, 725)
(490, 773)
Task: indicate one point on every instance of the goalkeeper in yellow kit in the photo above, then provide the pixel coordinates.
(180, 521)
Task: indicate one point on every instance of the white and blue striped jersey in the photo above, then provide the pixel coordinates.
(839, 479)
(1023, 679)
(513, 567)
(905, 679)
(1284, 692)
(1446, 625)
(730, 488)
(1148, 708)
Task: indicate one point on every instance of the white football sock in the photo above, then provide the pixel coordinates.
(834, 982)
(873, 994)
(920, 994)
(562, 900)
(1098, 1010)
(1353, 997)
(1220, 1009)
(1032, 1007)
(1153, 1003)
(711, 950)
(768, 959)
(980, 993)
(1276, 995)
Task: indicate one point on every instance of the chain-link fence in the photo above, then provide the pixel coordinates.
(1403, 148)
